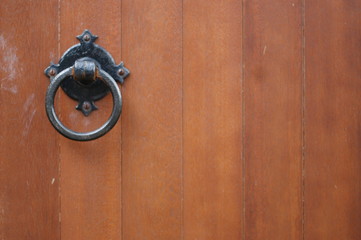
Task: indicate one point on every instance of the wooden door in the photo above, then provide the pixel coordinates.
(241, 120)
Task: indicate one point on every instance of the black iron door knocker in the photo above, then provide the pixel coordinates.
(86, 72)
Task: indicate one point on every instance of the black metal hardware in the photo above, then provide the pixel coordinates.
(86, 73)
(86, 94)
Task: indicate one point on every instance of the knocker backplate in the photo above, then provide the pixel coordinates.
(87, 94)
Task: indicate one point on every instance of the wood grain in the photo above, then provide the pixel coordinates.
(212, 120)
(29, 182)
(333, 117)
(152, 119)
(273, 119)
(90, 171)
(241, 120)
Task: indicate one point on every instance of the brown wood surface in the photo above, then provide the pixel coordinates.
(333, 120)
(29, 151)
(152, 120)
(273, 119)
(90, 171)
(241, 120)
(212, 119)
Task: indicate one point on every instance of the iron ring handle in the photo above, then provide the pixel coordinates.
(79, 136)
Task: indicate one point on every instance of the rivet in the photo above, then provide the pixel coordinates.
(86, 37)
(86, 106)
(121, 72)
(52, 72)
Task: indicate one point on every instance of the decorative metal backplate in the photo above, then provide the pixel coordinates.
(86, 94)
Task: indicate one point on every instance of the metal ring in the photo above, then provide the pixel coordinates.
(87, 136)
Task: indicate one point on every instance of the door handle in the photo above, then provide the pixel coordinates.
(86, 72)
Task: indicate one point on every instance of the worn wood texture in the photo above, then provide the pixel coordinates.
(29, 156)
(241, 120)
(333, 120)
(90, 171)
(152, 120)
(212, 119)
(273, 119)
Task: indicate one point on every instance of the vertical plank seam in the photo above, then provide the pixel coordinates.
(121, 133)
(243, 161)
(182, 143)
(303, 86)
(57, 136)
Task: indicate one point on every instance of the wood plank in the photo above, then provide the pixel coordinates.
(91, 171)
(152, 119)
(333, 117)
(273, 119)
(29, 180)
(212, 119)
